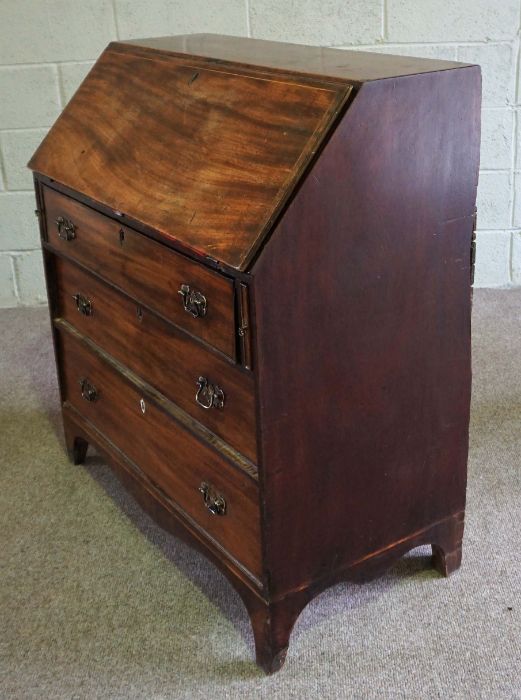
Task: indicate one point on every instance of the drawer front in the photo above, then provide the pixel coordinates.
(191, 473)
(164, 356)
(149, 271)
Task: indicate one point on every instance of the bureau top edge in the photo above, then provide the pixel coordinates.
(350, 66)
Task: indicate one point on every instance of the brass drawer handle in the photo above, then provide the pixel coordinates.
(83, 304)
(66, 229)
(194, 302)
(214, 501)
(88, 390)
(209, 395)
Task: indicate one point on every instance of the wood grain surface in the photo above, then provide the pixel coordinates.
(204, 154)
(351, 66)
(170, 456)
(332, 216)
(364, 376)
(165, 357)
(146, 270)
(166, 512)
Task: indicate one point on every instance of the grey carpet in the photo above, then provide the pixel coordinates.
(97, 602)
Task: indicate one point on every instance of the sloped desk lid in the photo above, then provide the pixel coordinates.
(204, 151)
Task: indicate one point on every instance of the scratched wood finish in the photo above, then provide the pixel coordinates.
(204, 155)
(163, 356)
(165, 451)
(351, 66)
(145, 269)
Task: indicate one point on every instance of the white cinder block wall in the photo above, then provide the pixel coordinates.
(46, 48)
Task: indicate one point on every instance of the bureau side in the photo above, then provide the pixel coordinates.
(362, 303)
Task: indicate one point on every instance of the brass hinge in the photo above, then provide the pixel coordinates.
(473, 246)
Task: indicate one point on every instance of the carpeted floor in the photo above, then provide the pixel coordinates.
(97, 602)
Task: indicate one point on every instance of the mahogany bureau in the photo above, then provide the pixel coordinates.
(259, 261)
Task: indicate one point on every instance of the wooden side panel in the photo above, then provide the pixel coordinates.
(204, 154)
(362, 305)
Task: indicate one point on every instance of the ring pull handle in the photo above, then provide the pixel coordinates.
(194, 302)
(83, 304)
(88, 390)
(209, 395)
(66, 229)
(215, 502)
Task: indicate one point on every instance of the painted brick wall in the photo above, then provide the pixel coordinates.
(46, 48)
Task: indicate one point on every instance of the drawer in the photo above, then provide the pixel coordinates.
(179, 464)
(147, 270)
(161, 354)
